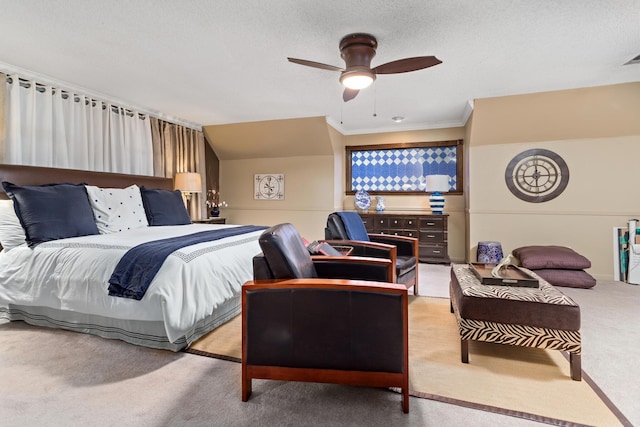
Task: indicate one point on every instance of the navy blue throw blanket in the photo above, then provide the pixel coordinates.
(354, 226)
(139, 265)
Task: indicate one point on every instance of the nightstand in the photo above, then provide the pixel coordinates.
(212, 220)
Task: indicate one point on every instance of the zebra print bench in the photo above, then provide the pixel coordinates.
(533, 317)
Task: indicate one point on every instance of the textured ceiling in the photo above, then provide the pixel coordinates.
(212, 62)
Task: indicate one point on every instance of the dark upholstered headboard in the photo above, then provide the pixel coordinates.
(34, 175)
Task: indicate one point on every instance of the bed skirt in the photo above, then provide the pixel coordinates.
(144, 333)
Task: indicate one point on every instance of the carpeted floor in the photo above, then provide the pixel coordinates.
(58, 378)
(524, 382)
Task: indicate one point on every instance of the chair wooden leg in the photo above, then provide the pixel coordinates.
(405, 400)
(575, 364)
(464, 350)
(246, 385)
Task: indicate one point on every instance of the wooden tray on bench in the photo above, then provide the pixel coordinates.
(511, 276)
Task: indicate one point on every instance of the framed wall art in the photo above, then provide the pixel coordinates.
(268, 186)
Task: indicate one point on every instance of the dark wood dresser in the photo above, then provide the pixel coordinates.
(430, 230)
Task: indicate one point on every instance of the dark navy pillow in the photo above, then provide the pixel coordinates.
(164, 207)
(53, 211)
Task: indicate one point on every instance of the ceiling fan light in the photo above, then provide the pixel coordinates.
(357, 79)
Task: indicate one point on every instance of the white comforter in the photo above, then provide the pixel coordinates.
(73, 274)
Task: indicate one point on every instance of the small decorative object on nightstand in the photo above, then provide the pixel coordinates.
(214, 203)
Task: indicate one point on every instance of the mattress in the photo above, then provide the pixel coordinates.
(64, 283)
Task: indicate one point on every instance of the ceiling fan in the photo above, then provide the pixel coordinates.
(358, 50)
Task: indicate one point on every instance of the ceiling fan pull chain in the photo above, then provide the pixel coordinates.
(375, 100)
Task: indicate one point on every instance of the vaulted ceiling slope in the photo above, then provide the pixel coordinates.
(271, 138)
(220, 62)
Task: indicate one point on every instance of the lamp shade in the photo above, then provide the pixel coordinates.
(188, 182)
(437, 184)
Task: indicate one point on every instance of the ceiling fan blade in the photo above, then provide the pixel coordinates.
(407, 64)
(315, 64)
(349, 94)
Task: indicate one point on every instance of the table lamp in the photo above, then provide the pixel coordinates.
(436, 185)
(188, 183)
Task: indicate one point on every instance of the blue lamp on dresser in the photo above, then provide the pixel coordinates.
(436, 185)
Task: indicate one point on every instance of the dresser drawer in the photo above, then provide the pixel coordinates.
(432, 236)
(433, 251)
(405, 233)
(432, 223)
(403, 223)
(380, 225)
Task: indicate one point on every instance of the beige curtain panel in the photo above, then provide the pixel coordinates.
(179, 149)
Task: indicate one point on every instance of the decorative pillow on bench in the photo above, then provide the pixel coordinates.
(558, 257)
(558, 265)
(567, 278)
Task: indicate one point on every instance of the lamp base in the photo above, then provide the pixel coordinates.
(437, 203)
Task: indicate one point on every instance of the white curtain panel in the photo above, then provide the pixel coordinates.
(47, 126)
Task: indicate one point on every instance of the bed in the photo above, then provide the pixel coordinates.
(64, 283)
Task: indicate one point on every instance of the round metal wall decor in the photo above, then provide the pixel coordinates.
(537, 175)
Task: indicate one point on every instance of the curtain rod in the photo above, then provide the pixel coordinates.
(68, 87)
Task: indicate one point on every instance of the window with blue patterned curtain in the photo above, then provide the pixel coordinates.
(402, 168)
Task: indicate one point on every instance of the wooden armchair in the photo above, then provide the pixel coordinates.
(405, 256)
(297, 326)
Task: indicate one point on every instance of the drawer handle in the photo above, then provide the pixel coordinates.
(436, 252)
(396, 233)
(410, 222)
(410, 234)
(431, 223)
(395, 221)
(430, 236)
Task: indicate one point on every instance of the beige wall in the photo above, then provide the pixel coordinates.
(596, 131)
(308, 192)
(314, 183)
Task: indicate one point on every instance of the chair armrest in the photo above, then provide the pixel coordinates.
(368, 249)
(407, 246)
(355, 267)
(328, 284)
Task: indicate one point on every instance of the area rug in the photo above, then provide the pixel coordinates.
(528, 383)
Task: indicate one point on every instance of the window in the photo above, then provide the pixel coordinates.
(402, 168)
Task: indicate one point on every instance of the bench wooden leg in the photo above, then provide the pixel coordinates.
(464, 350)
(575, 364)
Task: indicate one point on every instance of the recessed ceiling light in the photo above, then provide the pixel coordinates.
(397, 119)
